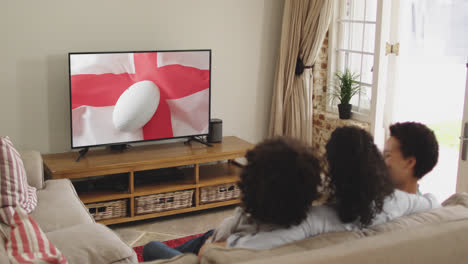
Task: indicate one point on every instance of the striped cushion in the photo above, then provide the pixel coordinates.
(14, 188)
(26, 243)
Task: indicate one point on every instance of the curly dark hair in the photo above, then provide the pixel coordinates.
(418, 141)
(280, 181)
(358, 178)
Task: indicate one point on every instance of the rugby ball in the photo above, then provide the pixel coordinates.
(136, 106)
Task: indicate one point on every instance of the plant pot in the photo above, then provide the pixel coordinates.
(344, 111)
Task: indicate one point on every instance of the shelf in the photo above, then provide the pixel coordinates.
(187, 182)
(218, 204)
(101, 196)
(170, 212)
(218, 174)
(163, 188)
(106, 161)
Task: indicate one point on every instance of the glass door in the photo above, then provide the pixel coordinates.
(426, 78)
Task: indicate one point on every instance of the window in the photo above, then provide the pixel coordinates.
(352, 42)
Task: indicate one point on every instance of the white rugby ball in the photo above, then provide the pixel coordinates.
(136, 106)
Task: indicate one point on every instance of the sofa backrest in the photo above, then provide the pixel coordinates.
(216, 254)
(455, 209)
(425, 244)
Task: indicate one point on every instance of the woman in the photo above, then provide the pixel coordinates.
(361, 194)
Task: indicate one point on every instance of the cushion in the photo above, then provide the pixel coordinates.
(457, 199)
(59, 206)
(26, 243)
(216, 254)
(14, 188)
(92, 243)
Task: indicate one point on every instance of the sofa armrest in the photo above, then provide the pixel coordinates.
(92, 244)
(32, 161)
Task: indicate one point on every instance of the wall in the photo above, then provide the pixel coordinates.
(325, 122)
(36, 36)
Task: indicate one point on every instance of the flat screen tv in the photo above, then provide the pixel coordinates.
(136, 96)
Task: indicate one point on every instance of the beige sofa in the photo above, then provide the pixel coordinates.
(435, 236)
(66, 221)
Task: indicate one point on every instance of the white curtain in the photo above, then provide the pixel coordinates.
(305, 24)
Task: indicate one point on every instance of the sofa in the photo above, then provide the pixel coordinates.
(66, 222)
(436, 236)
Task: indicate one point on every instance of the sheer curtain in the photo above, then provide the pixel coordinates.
(305, 24)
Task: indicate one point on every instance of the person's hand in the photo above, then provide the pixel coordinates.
(203, 248)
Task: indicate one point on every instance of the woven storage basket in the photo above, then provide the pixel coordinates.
(163, 202)
(222, 192)
(107, 210)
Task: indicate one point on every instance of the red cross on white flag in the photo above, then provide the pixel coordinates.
(98, 82)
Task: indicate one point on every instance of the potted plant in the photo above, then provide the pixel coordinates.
(345, 86)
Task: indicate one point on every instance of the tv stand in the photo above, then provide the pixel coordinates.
(132, 170)
(204, 142)
(82, 154)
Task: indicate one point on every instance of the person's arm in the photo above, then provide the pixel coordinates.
(319, 219)
(203, 248)
(420, 203)
(403, 203)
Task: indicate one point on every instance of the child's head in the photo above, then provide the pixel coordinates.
(411, 152)
(359, 179)
(280, 181)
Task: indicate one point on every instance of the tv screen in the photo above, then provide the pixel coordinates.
(125, 97)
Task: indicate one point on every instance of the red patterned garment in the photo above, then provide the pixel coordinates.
(14, 187)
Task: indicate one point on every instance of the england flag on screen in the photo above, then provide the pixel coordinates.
(98, 81)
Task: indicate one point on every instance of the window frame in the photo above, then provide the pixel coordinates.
(333, 49)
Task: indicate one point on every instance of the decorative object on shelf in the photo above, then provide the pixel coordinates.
(222, 192)
(215, 133)
(345, 86)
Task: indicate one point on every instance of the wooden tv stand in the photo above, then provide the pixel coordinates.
(194, 156)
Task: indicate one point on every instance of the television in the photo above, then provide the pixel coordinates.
(118, 98)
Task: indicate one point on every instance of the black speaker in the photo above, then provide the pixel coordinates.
(216, 131)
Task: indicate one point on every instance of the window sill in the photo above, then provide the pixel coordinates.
(356, 116)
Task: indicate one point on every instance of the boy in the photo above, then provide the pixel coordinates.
(410, 153)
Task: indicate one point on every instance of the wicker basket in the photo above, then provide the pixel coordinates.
(107, 210)
(163, 202)
(222, 192)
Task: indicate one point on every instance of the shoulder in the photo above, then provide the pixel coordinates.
(400, 196)
(431, 197)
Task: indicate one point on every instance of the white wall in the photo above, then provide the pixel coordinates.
(35, 37)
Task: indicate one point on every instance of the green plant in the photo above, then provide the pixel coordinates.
(345, 86)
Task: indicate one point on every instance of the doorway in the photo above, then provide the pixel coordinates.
(426, 80)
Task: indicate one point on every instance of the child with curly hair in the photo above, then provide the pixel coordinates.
(278, 185)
